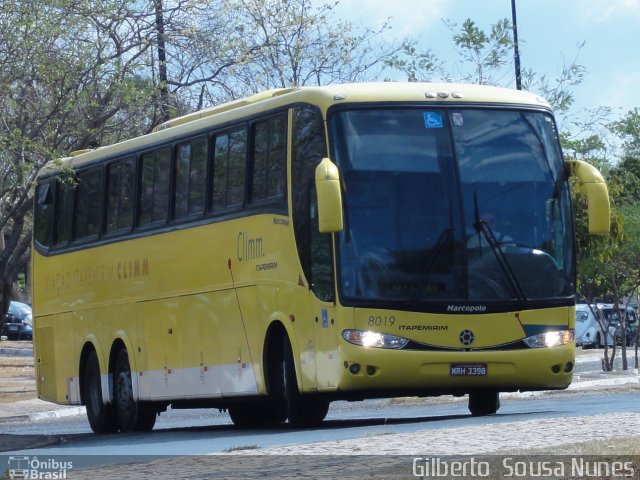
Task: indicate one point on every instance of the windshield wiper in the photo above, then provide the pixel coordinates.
(483, 228)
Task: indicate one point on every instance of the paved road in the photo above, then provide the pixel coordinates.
(203, 432)
(405, 427)
(367, 428)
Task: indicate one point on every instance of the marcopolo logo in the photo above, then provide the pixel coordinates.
(467, 337)
(34, 468)
(467, 308)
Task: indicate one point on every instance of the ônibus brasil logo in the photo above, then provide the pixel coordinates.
(34, 468)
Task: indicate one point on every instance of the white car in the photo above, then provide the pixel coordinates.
(588, 332)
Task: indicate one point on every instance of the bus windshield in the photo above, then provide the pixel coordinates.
(452, 205)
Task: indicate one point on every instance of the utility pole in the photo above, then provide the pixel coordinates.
(516, 53)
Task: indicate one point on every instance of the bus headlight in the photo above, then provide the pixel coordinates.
(370, 339)
(550, 339)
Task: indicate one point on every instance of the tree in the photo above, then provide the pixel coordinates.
(482, 56)
(194, 43)
(558, 92)
(84, 73)
(628, 130)
(594, 258)
(485, 57)
(68, 80)
(609, 266)
(487, 53)
(627, 174)
(298, 44)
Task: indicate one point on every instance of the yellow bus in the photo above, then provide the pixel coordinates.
(305, 245)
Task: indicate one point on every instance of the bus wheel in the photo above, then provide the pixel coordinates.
(484, 402)
(102, 417)
(302, 410)
(258, 414)
(133, 416)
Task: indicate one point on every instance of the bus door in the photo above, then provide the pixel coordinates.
(325, 327)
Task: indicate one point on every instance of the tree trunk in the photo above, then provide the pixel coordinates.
(162, 63)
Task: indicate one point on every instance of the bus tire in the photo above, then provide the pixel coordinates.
(484, 402)
(102, 417)
(258, 414)
(302, 410)
(133, 415)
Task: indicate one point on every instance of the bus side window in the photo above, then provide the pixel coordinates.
(63, 209)
(191, 169)
(44, 214)
(229, 167)
(268, 179)
(314, 248)
(89, 203)
(121, 177)
(154, 194)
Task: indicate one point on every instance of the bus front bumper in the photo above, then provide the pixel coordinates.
(549, 368)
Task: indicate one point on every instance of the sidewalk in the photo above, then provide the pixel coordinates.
(34, 410)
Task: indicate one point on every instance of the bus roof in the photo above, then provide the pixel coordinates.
(325, 96)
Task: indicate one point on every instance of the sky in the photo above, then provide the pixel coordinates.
(549, 32)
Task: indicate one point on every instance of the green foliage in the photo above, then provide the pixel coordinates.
(300, 42)
(83, 73)
(418, 66)
(483, 55)
(78, 74)
(591, 148)
(628, 130)
(487, 52)
(22, 281)
(609, 266)
(558, 91)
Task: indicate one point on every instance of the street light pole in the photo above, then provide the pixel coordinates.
(516, 53)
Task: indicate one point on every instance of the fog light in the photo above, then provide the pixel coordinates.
(354, 368)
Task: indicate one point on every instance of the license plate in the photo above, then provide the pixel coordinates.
(468, 369)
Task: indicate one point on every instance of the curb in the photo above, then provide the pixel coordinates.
(21, 352)
(604, 382)
(581, 385)
(34, 417)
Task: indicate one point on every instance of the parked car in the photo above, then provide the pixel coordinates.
(588, 333)
(18, 324)
(612, 315)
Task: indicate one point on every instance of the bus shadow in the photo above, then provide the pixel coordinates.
(340, 424)
(185, 433)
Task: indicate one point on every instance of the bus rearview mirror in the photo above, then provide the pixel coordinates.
(598, 207)
(329, 193)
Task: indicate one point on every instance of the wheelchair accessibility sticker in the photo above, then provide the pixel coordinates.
(433, 120)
